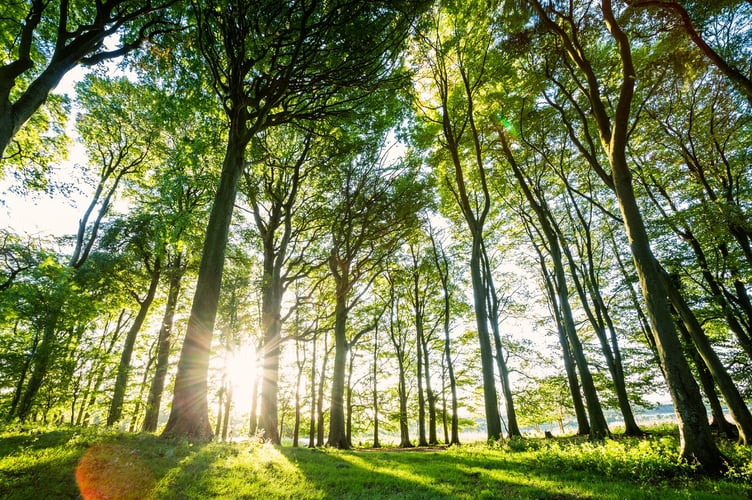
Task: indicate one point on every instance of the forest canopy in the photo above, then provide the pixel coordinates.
(398, 220)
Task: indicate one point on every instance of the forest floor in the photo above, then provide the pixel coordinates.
(70, 462)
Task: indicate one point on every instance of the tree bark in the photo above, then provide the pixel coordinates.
(312, 423)
(375, 389)
(298, 380)
(320, 402)
(419, 375)
(337, 435)
(349, 394)
(430, 395)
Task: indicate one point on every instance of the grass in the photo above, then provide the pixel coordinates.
(72, 462)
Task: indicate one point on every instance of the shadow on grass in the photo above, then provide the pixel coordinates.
(430, 474)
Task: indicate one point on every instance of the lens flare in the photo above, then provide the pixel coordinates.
(113, 471)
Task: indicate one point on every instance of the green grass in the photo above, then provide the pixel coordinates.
(55, 463)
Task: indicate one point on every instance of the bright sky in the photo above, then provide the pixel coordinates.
(42, 214)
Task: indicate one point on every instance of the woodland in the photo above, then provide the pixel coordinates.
(343, 224)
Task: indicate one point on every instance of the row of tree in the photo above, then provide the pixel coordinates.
(255, 146)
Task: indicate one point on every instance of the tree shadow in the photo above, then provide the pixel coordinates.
(430, 474)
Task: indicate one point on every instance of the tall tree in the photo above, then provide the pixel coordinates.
(455, 52)
(613, 123)
(399, 337)
(374, 205)
(274, 187)
(141, 248)
(441, 261)
(271, 63)
(120, 141)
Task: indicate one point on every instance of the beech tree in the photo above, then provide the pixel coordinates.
(613, 124)
(120, 142)
(272, 63)
(374, 205)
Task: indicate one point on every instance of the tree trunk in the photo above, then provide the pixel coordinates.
(312, 423)
(41, 359)
(228, 407)
(271, 321)
(583, 426)
(121, 382)
(220, 407)
(142, 388)
(734, 400)
(154, 401)
(15, 115)
(708, 387)
(375, 389)
(439, 259)
(320, 402)
(501, 363)
(598, 425)
(189, 417)
(402, 393)
(444, 419)
(599, 316)
(697, 444)
(269, 414)
(493, 421)
(24, 372)
(253, 420)
(431, 396)
(419, 372)
(337, 433)
(298, 380)
(349, 406)
(616, 370)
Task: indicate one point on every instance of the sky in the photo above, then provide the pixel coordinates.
(53, 214)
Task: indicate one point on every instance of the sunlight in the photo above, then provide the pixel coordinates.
(241, 369)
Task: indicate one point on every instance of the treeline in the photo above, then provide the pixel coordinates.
(342, 184)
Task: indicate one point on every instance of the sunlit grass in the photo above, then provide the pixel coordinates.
(45, 463)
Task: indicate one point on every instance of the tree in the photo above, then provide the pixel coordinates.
(546, 223)
(441, 261)
(60, 36)
(272, 63)
(120, 142)
(399, 337)
(274, 186)
(374, 205)
(456, 54)
(613, 125)
(186, 196)
(139, 248)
